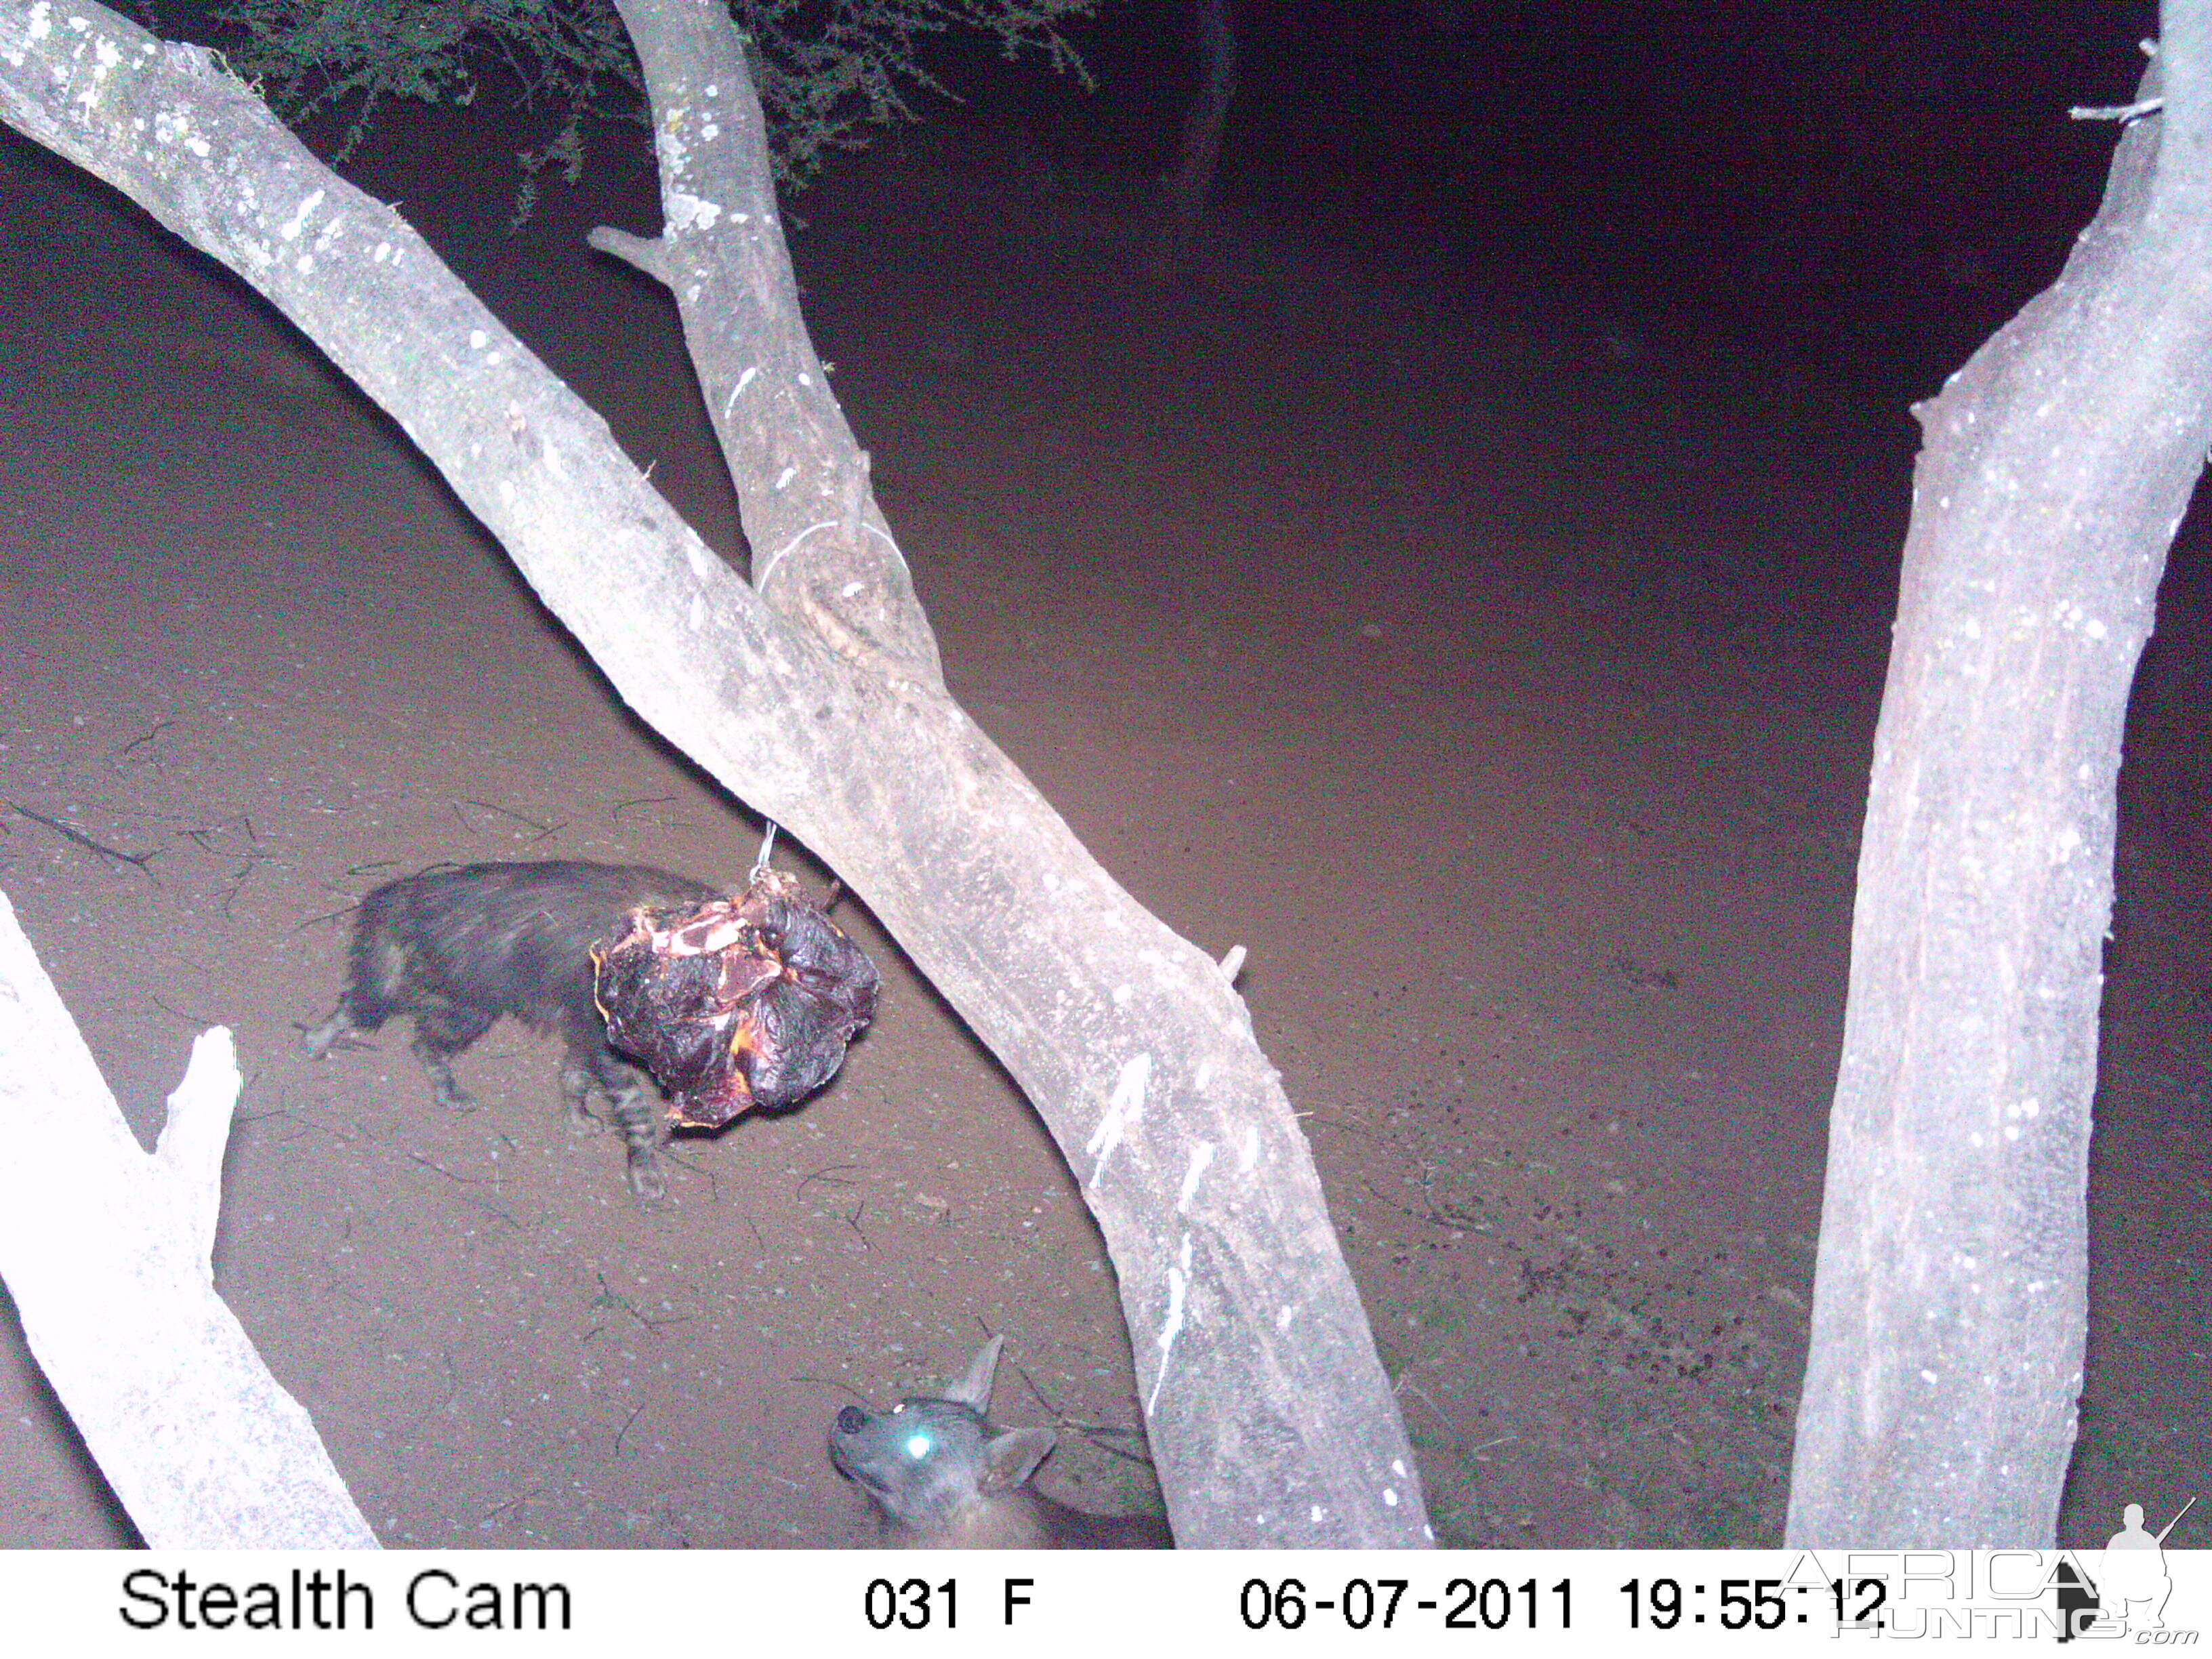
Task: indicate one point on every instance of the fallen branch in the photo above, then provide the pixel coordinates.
(110, 1271)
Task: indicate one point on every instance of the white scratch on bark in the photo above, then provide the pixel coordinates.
(760, 573)
(1171, 1326)
(290, 229)
(1201, 1157)
(1125, 1108)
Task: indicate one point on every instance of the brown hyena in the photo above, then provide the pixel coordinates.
(945, 1477)
(457, 948)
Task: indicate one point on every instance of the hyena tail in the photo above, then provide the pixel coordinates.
(376, 978)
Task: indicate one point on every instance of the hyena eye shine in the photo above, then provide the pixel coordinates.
(455, 949)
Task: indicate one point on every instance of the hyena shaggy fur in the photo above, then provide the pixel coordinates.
(455, 949)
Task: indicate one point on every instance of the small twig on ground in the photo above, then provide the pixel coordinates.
(1405, 1382)
(828, 1173)
(608, 1297)
(154, 731)
(669, 1152)
(227, 828)
(327, 915)
(1036, 1392)
(137, 861)
(624, 1429)
(543, 830)
(186, 1020)
(1091, 1431)
(1345, 1124)
(238, 882)
(1102, 1436)
(486, 1203)
(459, 1181)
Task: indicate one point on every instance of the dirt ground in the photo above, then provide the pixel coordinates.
(1516, 637)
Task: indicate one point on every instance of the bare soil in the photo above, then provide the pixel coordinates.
(1495, 658)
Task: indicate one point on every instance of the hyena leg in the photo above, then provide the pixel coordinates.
(634, 1107)
(323, 1038)
(578, 1080)
(442, 1029)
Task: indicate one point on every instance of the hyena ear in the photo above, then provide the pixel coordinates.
(1011, 1458)
(973, 1390)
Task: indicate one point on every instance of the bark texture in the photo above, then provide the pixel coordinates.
(1950, 1303)
(815, 698)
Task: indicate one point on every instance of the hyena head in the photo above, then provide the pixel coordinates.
(945, 1477)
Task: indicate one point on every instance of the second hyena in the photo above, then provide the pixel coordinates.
(945, 1477)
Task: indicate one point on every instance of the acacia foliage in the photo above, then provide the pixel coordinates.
(827, 70)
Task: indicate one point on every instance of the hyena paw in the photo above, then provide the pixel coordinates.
(576, 1097)
(452, 1096)
(649, 1185)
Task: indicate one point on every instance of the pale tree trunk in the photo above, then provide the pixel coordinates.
(105, 1252)
(1950, 1302)
(1185, 191)
(814, 695)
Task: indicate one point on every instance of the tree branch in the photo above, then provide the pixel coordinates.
(1949, 1305)
(108, 1255)
(1271, 1418)
(807, 509)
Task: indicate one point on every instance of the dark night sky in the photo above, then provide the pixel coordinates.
(1573, 85)
(1852, 141)
(1777, 161)
(1432, 90)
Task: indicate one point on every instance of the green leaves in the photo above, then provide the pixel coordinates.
(826, 70)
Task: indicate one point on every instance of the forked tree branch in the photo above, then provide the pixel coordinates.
(1270, 1417)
